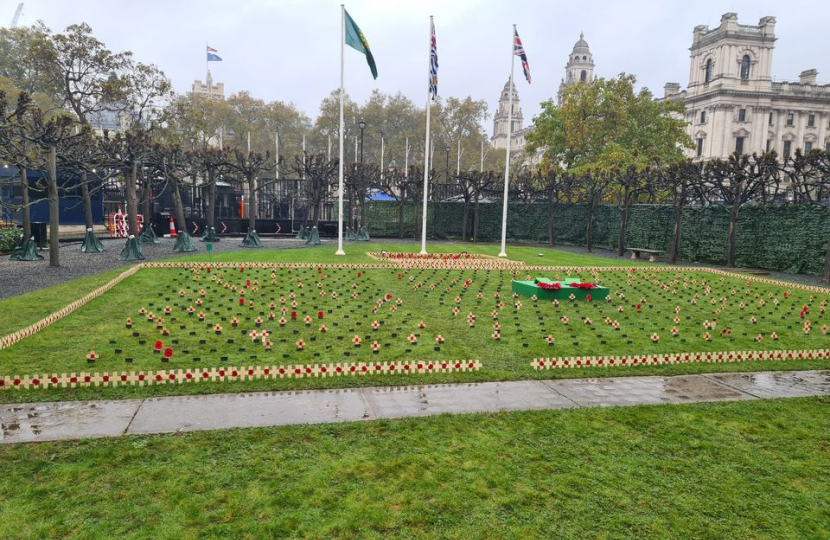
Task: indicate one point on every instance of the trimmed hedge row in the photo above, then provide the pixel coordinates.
(789, 238)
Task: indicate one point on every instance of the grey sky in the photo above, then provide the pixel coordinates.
(289, 49)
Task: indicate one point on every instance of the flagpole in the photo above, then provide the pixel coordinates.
(503, 252)
(207, 69)
(340, 165)
(277, 155)
(426, 148)
(406, 160)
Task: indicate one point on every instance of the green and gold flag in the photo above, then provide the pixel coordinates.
(357, 41)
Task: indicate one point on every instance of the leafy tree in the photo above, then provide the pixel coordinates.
(678, 182)
(605, 125)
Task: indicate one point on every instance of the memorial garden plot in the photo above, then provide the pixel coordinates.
(183, 322)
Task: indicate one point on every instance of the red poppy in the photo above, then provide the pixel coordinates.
(241, 301)
(319, 314)
(549, 286)
(168, 352)
(159, 345)
(293, 314)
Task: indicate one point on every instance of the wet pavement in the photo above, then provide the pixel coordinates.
(93, 419)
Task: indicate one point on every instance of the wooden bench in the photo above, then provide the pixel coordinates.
(652, 253)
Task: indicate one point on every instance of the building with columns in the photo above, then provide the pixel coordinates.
(733, 104)
(580, 67)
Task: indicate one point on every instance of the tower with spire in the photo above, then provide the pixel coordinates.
(580, 67)
(499, 138)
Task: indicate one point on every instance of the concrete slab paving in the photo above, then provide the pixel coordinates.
(398, 402)
(222, 411)
(776, 384)
(32, 422)
(35, 422)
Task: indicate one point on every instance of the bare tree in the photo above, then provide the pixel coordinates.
(678, 182)
(249, 165)
(317, 174)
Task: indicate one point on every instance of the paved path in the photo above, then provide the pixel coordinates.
(74, 420)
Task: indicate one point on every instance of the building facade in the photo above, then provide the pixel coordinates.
(733, 104)
(214, 91)
(579, 68)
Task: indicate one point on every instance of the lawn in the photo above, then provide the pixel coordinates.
(717, 471)
(402, 313)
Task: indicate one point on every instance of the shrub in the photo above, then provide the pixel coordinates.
(8, 238)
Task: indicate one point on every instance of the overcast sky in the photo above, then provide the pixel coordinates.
(289, 49)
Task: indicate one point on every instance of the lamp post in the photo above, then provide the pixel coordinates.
(362, 125)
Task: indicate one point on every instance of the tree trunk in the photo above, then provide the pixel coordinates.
(132, 199)
(623, 224)
(252, 203)
(590, 230)
(351, 209)
(54, 210)
(145, 203)
(87, 201)
(363, 208)
(211, 209)
(678, 219)
(179, 207)
(551, 232)
(465, 220)
(475, 218)
(733, 227)
(26, 211)
(401, 206)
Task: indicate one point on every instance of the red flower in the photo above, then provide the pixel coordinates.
(241, 301)
(168, 352)
(293, 315)
(583, 285)
(319, 314)
(159, 345)
(549, 286)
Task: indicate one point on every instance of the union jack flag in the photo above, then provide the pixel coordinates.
(433, 64)
(519, 51)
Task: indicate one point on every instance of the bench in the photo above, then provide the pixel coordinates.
(652, 253)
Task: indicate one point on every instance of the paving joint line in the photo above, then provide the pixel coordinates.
(728, 386)
(372, 413)
(558, 393)
(130, 423)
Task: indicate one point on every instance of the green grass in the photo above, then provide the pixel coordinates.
(100, 325)
(21, 311)
(753, 470)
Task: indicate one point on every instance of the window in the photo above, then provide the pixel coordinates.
(700, 147)
(808, 145)
(702, 117)
(583, 76)
(745, 68)
(584, 57)
(770, 118)
(739, 145)
(788, 145)
(811, 120)
(741, 115)
(707, 74)
(769, 145)
(790, 119)
(827, 147)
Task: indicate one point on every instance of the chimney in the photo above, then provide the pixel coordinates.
(671, 89)
(729, 22)
(808, 77)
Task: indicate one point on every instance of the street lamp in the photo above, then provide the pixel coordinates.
(362, 125)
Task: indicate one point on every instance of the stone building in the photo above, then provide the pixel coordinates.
(580, 67)
(733, 104)
(214, 91)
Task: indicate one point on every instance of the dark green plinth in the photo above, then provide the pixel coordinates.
(349, 234)
(313, 237)
(529, 288)
(184, 244)
(131, 251)
(211, 236)
(148, 236)
(251, 240)
(91, 243)
(363, 234)
(26, 251)
(302, 234)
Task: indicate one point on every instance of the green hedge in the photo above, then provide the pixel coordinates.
(8, 238)
(789, 238)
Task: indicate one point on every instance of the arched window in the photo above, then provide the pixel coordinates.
(745, 68)
(707, 75)
(583, 76)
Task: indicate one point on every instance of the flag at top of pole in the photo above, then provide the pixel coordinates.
(433, 62)
(357, 41)
(519, 51)
(212, 56)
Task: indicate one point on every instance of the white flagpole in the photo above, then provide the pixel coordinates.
(340, 165)
(329, 154)
(277, 155)
(481, 165)
(503, 253)
(426, 147)
(381, 157)
(303, 175)
(355, 149)
(458, 160)
(406, 160)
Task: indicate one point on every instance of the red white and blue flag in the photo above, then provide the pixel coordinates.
(519, 51)
(433, 64)
(211, 54)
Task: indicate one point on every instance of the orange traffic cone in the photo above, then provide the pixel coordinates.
(172, 228)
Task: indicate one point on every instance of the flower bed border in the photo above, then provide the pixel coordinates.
(232, 374)
(564, 362)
